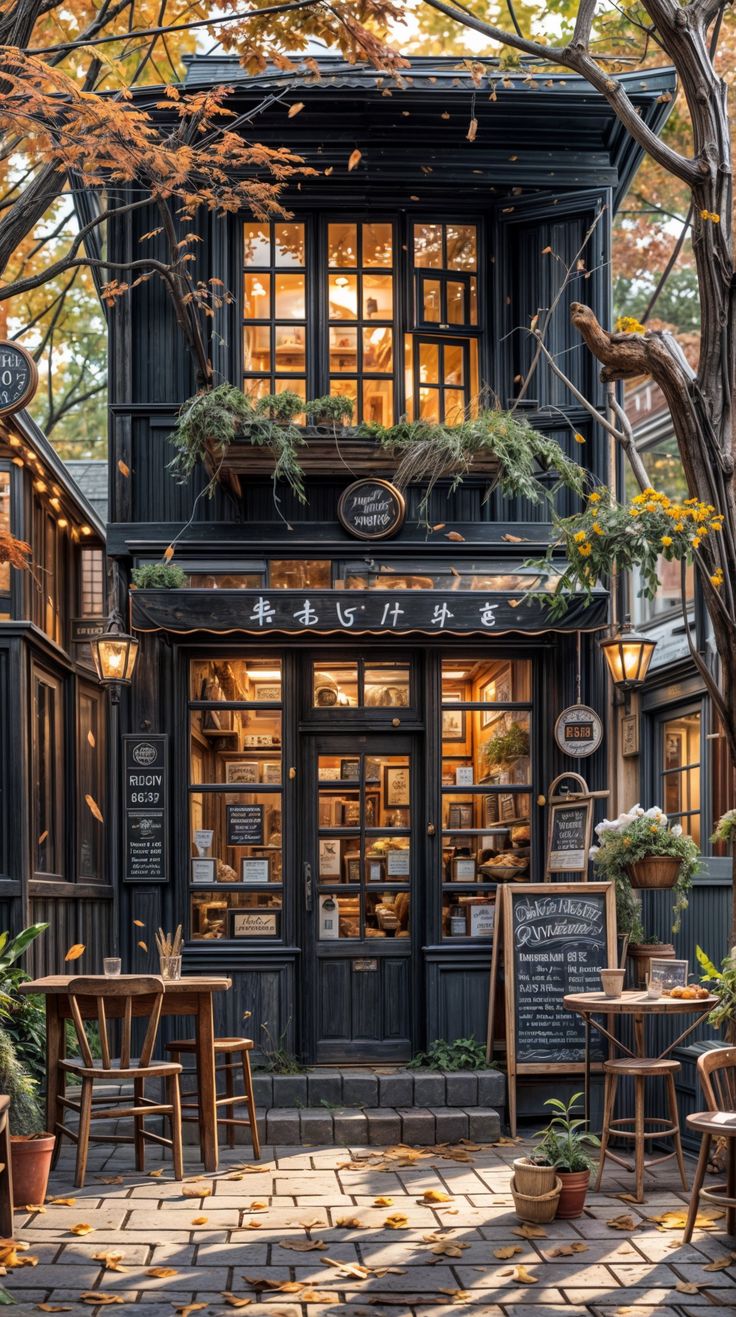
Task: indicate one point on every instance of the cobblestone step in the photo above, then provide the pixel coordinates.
(370, 1089)
(379, 1126)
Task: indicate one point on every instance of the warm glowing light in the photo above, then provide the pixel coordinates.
(86, 530)
(40, 485)
(63, 523)
(628, 656)
(115, 654)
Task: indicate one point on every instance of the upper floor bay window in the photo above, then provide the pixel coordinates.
(275, 309)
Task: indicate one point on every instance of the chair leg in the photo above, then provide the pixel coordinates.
(639, 1142)
(251, 1104)
(85, 1120)
(139, 1089)
(6, 1183)
(731, 1190)
(176, 1136)
(609, 1091)
(697, 1186)
(675, 1119)
(229, 1092)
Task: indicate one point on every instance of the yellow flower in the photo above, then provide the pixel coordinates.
(696, 542)
(629, 325)
(710, 215)
(580, 536)
(586, 550)
(579, 438)
(717, 578)
(679, 525)
(716, 525)
(594, 497)
(653, 829)
(666, 541)
(597, 528)
(627, 841)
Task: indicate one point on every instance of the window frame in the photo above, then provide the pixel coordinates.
(86, 689)
(271, 322)
(58, 740)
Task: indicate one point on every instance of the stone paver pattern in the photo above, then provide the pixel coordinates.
(358, 1232)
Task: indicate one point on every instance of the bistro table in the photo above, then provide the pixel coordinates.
(191, 995)
(639, 1007)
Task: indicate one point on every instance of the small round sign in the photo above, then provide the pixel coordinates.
(579, 731)
(371, 509)
(18, 378)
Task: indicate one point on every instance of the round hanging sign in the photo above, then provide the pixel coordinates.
(579, 731)
(371, 509)
(18, 378)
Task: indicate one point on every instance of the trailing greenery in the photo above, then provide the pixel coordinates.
(565, 1141)
(638, 835)
(461, 1054)
(159, 576)
(335, 409)
(277, 1059)
(726, 828)
(281, 407)
(507, 745)
(722, 984)
(23, 1018)
(26, 1116)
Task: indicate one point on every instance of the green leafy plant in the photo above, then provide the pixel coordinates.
(507, 745)
(23, 1018)
(636, 835)
(722, 984)
(565, 1141)
(26, 1116)
(277, 1059)
(159, 576)
(726, 828)
(335, 409)
(460, 1054)
(281, 407)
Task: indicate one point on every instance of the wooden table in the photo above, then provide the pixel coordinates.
(637, 1005)
(191, 995)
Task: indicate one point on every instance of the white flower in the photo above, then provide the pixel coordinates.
(593, 851)
(606, 826)
(676, 831)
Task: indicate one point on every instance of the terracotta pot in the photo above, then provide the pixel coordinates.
(533, 1180)
(31, 1162)
(640, 954)
(572, 1198)
(655, 871)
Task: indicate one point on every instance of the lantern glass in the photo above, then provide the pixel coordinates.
(115, 656)
(628, 656)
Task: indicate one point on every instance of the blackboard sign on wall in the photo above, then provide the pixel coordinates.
(146, 804)
(371, 509)
(569, 837)
(556, 939)
(245, 825)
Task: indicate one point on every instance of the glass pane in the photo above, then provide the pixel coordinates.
(387, 685)
(378, 244)
(473, 318)
(257, 388)
(218, 680)
(339, 917)
(289, 244)
(4, 525)
(378, 402)
(256, 244)
(344, 388)
(236, 746)
(466, 915)
(339, 857)
(343, 348)
(429, 363)
(334, 686)
(247, 915)
(482, 681)
(395, 780)
(431, 301)
(378, 350)
(342, 293)
(483, 826)
(46, 745)
(462, 247)
(429, 404)
(90, 752)
(387, 914)
(456, 313)
(290, 348)
(257, 348)
(378, 296)
(428, 245)
(454, 364)
(289, 298)
(454, 406)
(285, 384)
(226, 580)
(342, 245)
(235, 837)
(298, 574)
(257, 296)
(338, 807)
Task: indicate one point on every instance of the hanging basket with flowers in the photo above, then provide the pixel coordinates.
(639, 849)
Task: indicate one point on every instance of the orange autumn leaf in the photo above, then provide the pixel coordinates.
(296, 108)
(200, 1220)
(355, 158)
(93, 808)
(91, 739)
(62, 1202)
(123, 468)
(383, 1201)
(139, 923)
(472, 132)
(101, 1297)
(82, 1228)
(520, 1276)
(396, 1221)
(53, 1307)
(16, 552)
(436, 1196)
(235, 1300)
(507, 1251)
(75, 952)
(162, 1273)
(143, 946)
(111, 1260)
(168, 552)
(196, 1191)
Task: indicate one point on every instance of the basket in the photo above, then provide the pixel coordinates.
(532, 1179)
(539, 1210)
(656, 871)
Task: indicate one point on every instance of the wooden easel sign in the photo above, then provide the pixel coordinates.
(570, 826)
(555, 939)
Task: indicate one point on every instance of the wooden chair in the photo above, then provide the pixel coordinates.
(717, 1074)
(231, 1054)
(6, 1171)
(104, 999)
(640, 1128)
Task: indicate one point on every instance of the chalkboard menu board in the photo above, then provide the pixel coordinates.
(245, 825)
(569, 837)
(371, 509)
(556, 940)
(146, 804)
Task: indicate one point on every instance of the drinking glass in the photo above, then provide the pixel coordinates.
(170, 967)
(111, 965)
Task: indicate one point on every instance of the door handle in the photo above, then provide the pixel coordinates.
(308, 889)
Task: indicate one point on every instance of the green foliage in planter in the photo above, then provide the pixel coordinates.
(428, 451)
(23, 1018)
(159, 576)
(334, 409)
(640, 835)
(26, 1116)
(510, 744)
(722, 984)
(726, 828)
(281, 407)
(565, 1141)
(460, 1054)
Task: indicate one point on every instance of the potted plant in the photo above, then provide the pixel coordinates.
(506, 745)
(159, 576)
(721, 983)
(726, 828)
(333, 411)
(644, 948)
(23, 1056)
(565, 1143)
(639, 849)
(281, 407)
(534, 1175)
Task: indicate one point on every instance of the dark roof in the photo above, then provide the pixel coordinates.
(90, 476)
(535, 129)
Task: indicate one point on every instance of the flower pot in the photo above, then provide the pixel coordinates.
(31, 1163)
(532, 1179)
(539, 1208)
(654, 871)
(640, 954)
(572, 1197)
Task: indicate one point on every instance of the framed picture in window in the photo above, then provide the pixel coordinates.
(375, 870)
(453, 725)
(266, 692)
(507, 807)
(349, 770)
(399, 863)
(271, 772)
(241, 772)
(490, 810)
(396, 787)
(329, 857)
(459, 817)
(372, 809)
(372, 769)
(352, 867)
(350, 814)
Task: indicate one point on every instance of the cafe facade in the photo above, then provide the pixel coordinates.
(340, 738)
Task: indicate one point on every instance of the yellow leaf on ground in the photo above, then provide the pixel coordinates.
(111, 1260)
(519, 1275)
(75, 952)
(687, 1287)
(303, 1245)
(626, 1198)
(383, 1201)
(34, 1207)
(396, 1221)
(235, 1300)
(103, 1298)
(63, 1202)
(507, 1251)
(505, 1142)
(81, 1229)
(624, 1222)
(161, 1273)
(720, 1264)
(200, 1220)
(435, 1196)
(258, 1206)
(53, 1307)
(154, 1175)
(529, 1232)
(9, 1255)
(677, 1220)
(445, 1248)
(349, 1222)
(196, 1191)
(457, 1296)
(567, 1250)
(354, 1269)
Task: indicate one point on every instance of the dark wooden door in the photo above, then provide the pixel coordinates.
(361, 854)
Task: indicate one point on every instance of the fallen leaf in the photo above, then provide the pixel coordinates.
(457, 1296)
(139, 923)
(110, 1179)
(687, 1287)
(75, 952)
(52, 1307)
(63, 1202)
(94, 808)
(520, 1276)
(567, 1250)
(626, 1198)
(383, 1202)
(196, 1191)
(200, 1220)
(123, 468)
(296, 108)
(303, 1245)
(161, 1273)
(529, 1232)
(396, 1221)
(111, 1259)
(34, 1207)
(435, 1196)
(354, 1269)
(507, 1251)
(505, 1142)
(446, 1248)
(349, 1222)
(318, 1296)
(720, 1264)
(252, 1225)
(355, 158)
(81, 1229)
(677, 1220)
(258, 1206)
(102, 1297)
(624, 1222)
(9, 1255)
(236, 1300)
(154, 1175)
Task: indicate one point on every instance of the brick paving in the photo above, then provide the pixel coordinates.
(236, 1238)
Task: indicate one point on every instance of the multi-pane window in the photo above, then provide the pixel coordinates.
(91, 771)
(92, 583)
(680, 764)
(47, 776)
(445, 260)
(360, 312)
(274, 308)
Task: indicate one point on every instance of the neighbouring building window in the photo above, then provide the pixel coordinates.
(92, 583)
(274, 308)
(91, 775)
(664, 468)
(47, 775)
(680, 750)
(360, 311)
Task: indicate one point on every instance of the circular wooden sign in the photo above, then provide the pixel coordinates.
(579, 731)
(18, 378)
(371, 509)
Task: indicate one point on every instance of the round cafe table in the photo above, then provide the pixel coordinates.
(638, 1006)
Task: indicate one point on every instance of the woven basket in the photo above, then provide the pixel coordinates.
(655, 871)
(539, 1210)
(531, 1179)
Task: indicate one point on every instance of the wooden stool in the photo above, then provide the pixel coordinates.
(230, 1049)
(640, 1069)
(6, 1172)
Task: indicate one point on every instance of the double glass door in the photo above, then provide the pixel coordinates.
(361, 856)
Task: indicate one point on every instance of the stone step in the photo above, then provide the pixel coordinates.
(379, 1126)
(396, 1089)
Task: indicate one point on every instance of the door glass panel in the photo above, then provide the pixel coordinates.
(431, 301)
(335, 685)
(387, 685)
(454, 364)
(218, 680)
(428, 245)
(342, 293)
(342, 244)
(462, 247)
(454, 406)
(429, 363)
(473, 318)
(378, 350)
(257, 296)
(236, 746)
(289, 244)
(378, 244)
(680, 758)
(456, 314)
(378, 297)
(257, 348)
(429, 404)
(343, 349)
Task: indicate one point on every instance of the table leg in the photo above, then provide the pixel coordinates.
(639, 1035)
(586, 1111)
(206, 1080)
(55, 1052)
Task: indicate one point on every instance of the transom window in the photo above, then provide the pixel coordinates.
(445, 275)
(274, 309)
(360, 313)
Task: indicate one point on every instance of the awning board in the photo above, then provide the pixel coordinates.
(358, 612)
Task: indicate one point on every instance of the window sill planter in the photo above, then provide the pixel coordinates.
(656, 871)
(31, 1163)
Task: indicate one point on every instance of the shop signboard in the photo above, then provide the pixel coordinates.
(371, 509)
(146, 808)
(569, 836)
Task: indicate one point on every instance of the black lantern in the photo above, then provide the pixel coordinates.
(115, 654)
(628, 656)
